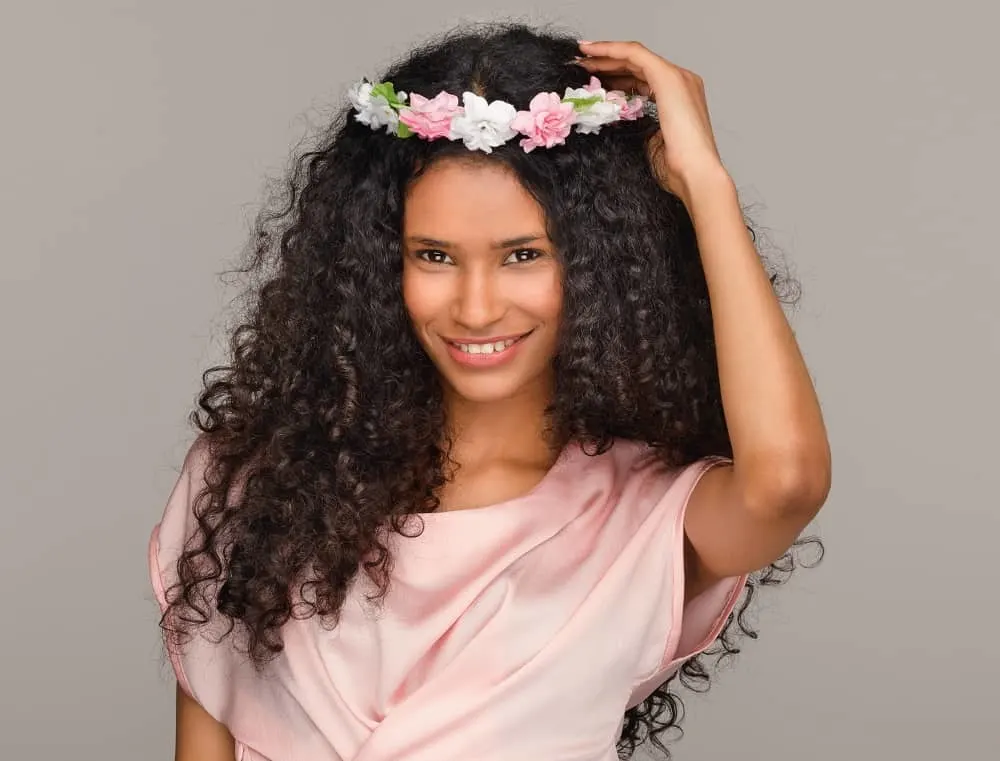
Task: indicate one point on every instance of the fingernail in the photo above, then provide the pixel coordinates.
(585, 42)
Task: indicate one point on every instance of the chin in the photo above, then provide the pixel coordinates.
(492, 388)
(483, 390)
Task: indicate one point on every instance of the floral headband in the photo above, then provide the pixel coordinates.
(484, 125)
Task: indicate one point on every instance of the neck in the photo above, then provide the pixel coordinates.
(505, 429)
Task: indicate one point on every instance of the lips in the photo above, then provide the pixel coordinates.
(486, 360)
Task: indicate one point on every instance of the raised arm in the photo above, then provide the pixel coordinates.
(743, 516)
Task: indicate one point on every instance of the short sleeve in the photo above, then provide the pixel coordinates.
(701, 620)
(693, 624)
(207, 665)
(167, 540)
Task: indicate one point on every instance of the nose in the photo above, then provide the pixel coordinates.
(479, 301)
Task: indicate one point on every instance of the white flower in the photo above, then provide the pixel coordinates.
(373, 110)
(483, 126)
(591, 118)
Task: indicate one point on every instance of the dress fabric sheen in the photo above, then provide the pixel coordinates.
(517, 631)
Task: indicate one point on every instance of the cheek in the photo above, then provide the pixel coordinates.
(542, 296)
(426, 297)
(417, 297)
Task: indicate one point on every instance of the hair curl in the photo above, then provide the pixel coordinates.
(330, 414)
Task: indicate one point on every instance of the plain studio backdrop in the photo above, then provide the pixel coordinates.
(137, 142)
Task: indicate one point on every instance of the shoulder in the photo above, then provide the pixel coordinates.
(637, 483)
(204, 666)
(639, 462)
(179, 518)
(177, 522)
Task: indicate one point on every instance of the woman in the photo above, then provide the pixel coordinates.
(513, 422)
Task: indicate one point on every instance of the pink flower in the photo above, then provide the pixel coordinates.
(631, 109)
(594, 85)
(546, 123)
(430, 118)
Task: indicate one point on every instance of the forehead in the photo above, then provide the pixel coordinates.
(464, 200)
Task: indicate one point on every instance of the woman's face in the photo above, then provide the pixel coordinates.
(478, 269)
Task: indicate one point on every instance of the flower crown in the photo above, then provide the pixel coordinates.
(484, 125)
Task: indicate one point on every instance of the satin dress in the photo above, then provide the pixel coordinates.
(518, 631)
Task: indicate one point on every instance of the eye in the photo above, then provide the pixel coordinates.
(533, 253)
(433, 256)
(430, 252)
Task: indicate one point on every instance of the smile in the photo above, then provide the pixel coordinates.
(491, 348)
(486, 353)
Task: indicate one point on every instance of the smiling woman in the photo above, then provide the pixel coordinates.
(479, 388)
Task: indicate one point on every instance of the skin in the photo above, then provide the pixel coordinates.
(199, 737)
(466, 285)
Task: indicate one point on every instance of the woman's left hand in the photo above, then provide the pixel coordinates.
(683, 152)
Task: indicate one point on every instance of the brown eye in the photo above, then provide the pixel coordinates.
(533, 253)
(430, 253)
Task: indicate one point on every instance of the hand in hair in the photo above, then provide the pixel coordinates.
(684, 150)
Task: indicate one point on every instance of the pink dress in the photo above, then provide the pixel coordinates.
(519, 630)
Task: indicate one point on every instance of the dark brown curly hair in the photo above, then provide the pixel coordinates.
(329, 414)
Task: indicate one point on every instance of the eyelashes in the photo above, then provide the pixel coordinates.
(424, 254)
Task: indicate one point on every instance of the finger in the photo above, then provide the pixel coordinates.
(611, 65)
(611, 45)
(632, 51)
(635, 57)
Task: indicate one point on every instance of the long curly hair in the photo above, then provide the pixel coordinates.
(329, 415)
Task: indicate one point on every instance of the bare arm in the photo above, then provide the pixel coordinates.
(743, 517)
(199, 737)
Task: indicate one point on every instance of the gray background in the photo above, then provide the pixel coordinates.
(136, 141)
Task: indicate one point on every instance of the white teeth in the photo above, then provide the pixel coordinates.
(493, 348)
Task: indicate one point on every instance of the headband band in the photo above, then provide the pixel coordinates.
(483, 125)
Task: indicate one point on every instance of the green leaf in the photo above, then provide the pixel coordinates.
(388, 91)
(402, 130)
(583, 102)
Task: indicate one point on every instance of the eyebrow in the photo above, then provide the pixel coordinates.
(496, 244)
